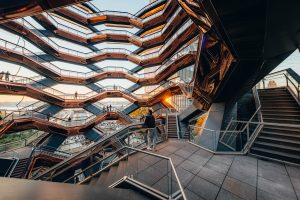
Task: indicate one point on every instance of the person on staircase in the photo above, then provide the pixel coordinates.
(151, 134)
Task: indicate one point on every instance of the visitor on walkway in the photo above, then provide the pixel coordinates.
(76, 95)
(110, 107)
(107, 108)
(2, 75)
(48, 116)
(104, 109)
(7, 76)
(151, 133)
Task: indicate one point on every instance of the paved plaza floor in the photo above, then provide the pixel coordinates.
(208, 176)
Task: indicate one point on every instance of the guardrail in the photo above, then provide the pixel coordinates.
(97, 147)
(123, 153)
(283, 78)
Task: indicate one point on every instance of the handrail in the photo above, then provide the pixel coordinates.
(89, 35)
(62, 96)
(128, 153)
(88, 150)
(119, 13)
(118, 50)
(50, 66)
(290, 80)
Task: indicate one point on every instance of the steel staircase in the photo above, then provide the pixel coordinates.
(280, 141)
(20, 168)
(172, 126)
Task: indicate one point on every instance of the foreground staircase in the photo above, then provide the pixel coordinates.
(140, 167)
(172, 126)
(20, 168)
(280, 142)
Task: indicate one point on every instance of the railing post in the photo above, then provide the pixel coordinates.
(248, 124)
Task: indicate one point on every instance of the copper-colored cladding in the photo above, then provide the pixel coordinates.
(215, 61)
(16, 9)
(38, 67)
(28, 90)
(196, 13)
(184, 37)
(170, 30)
(137, 22)
(48, 126)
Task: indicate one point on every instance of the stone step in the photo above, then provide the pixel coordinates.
(266, 153)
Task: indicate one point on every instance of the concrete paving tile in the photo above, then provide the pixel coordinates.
(274, 176)
(238, 188)
(152, 159)
(190, 166)
(191, 195)
(246, 173)
(225, 195)
(217, 166)
(296, 184)
(163, 186)
(293, 171)
(190, 148)
(171, 148)
(204, 153)
(199, 160)
(162, 165)
(203, 188)
(176, 159)
(149, 176)
(163, 152)
(183, 153)
(276, 188)
(225, 159)
(271, 166)
(211, 176)
(262, 195)
(245, 160)
(184, 176)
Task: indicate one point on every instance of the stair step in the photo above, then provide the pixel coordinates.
(102, 178)
(281, 129)
(110, 176)
(93, 181)
(281, 108)
(282, 121)
(278, 147)
(271, 111)
(275, 155)
(281, 135)
(121, 170)
(285, 116)
(278, 141)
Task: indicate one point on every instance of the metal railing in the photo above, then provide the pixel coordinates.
(166, 171)
(237, 137)
(118, 13)
(110, 31)
(98, 148)
(187, 49)
(283, 78)
(87, 55)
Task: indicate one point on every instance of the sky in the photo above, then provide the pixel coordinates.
(130, 6)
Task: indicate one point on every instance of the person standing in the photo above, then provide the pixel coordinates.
(1, 75)
(151, 133)
(7, 76)
(110, 107)
(76, 95)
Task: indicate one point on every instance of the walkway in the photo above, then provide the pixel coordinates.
(208, 176)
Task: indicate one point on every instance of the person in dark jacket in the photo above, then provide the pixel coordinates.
(151, 134)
